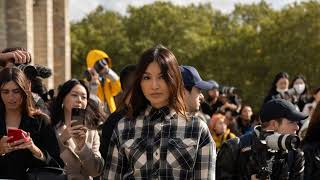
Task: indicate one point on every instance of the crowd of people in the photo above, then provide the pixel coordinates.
(155, 120)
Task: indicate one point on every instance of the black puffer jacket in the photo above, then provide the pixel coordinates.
(233, 161)
(312, 157)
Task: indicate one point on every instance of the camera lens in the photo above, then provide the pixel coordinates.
(283, 142)
(99, 65)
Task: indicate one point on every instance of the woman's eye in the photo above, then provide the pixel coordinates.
(145, 77)
(4, 92)
(17, 91)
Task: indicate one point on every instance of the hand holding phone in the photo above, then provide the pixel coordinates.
(16, 135)
(78, 116)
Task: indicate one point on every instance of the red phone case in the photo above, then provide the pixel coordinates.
(17, 134)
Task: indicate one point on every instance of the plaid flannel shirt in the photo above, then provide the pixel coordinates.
(160, 144)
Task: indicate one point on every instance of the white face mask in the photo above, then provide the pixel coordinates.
(299, 88)
(281, 91)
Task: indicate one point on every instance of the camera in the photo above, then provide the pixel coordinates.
(33, 71)
(228, 90)
(282, 142)
(266, 145)
(277, 141)
(99, 65)
(29, 70)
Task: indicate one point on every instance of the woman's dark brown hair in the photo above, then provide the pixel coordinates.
(313, 130)
(170, 70)
(16, 75)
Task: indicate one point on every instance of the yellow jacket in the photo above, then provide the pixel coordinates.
(110, 88)
(222, 138)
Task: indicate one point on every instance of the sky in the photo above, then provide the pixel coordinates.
(79, 8)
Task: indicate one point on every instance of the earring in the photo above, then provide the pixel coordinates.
(62, 106)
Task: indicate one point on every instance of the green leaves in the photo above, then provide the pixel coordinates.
(245, 48)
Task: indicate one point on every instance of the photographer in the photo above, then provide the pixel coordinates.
(270, 151)
(108, 84)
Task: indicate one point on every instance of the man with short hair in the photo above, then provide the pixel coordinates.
(270, 151)
(193, 84)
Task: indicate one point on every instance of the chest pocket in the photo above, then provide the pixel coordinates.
(182, 153)
(135, 150)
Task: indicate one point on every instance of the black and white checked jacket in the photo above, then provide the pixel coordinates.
(160, 144)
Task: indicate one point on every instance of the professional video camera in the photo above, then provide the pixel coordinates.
(33, 71)
(267, 144)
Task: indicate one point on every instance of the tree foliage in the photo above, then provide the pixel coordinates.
(244, 48)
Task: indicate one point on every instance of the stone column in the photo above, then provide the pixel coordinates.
(61, 42)
(19, 23)
(3, 38)
(43, 36)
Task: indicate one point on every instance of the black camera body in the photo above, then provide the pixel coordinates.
(98, 67)
(33, 71)
(29, 70)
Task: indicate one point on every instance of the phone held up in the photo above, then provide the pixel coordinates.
(78, 115)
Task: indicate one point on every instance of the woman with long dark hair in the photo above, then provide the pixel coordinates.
(37, 145)
(311, 146)
(79, 143)
(279, 87)
(157, 140)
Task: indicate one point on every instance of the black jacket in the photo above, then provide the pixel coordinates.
(14, 164)
(312, 157)
(233, 161)
(107, 130)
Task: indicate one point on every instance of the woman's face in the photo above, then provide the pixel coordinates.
(220, 127)
(213, 93)
(154, 87)
(246, 113)
(76, 98)
(283, 83)
(11, 96)
(298, 81)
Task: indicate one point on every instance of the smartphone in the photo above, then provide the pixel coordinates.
(78, 115)
(17, 134)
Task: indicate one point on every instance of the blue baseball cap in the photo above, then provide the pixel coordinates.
(214, 83)
(280, 108)
(192, 78)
